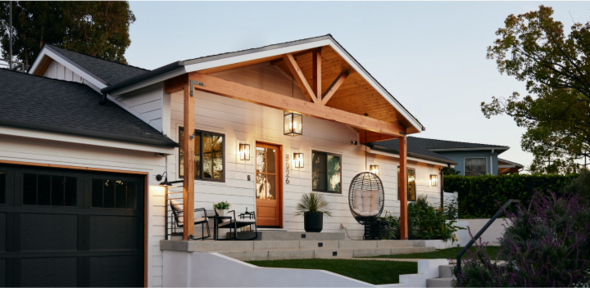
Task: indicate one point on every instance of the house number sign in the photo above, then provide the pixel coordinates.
(287, 170)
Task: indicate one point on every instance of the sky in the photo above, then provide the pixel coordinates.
(431, 56)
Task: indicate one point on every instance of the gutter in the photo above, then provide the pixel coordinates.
(87, 133)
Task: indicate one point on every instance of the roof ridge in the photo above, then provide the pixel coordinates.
(259, 47)
(457, 141)
(53, 46)
(47, 78)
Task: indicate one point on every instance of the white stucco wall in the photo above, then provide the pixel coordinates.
(495, 231)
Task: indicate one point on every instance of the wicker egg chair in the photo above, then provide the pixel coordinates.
(366, 197)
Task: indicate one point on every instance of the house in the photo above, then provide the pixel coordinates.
(82, 141)
(469, 158)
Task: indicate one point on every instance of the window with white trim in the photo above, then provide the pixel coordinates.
(475, 166)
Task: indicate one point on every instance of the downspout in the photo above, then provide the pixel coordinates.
(103, 100)
(492, 163)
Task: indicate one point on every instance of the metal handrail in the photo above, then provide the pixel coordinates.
(485, 227)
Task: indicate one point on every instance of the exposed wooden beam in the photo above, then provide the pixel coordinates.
(402, 181)
(299, 77)
(296, 54)
(43, 65)
(374, 137)
(334, 87)
(188, 143)
(242, 92)
(317, 72)
(176, 84)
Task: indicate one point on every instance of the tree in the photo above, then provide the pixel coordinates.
(98, 29)
(533, 48)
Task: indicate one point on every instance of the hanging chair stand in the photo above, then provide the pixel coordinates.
(366, 198)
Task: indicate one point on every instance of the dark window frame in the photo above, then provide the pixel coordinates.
(4, 189)
(223, 150)
(115, 200)
(51, 198)
(326, 153)
(408, 185)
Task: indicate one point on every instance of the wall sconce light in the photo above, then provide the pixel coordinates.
(244, 152)
(298, 160)
(293, 123)
(166, 183)
(374, 169)
(433, 180)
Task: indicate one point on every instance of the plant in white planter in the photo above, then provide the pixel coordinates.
(221, 207)
(312, 207)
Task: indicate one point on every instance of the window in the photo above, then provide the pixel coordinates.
(49, 190)
(2, 187)
(113, 194)
(411, 184)
(475, 166)
(209, 154)
(326, 172)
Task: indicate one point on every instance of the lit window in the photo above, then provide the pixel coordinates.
(326, 172)
(209, 154)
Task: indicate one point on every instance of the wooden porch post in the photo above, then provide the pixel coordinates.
(189, 163)
(403, 187)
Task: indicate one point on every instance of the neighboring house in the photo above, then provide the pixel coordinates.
(470, 158)
(82, 140)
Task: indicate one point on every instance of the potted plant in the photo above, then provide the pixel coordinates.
(221, 207)
(312, 207)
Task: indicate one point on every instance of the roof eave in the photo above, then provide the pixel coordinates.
(415, 155)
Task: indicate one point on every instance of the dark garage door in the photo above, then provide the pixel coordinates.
(61, 227)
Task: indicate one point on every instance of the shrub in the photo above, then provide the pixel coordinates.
(478, 194)
(580, 185)
(424, 222)
(313, 203)
(548, 244)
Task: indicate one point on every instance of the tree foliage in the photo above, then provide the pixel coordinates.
(533, 47)
(95, 28)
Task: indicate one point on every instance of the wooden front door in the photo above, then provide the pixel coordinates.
(269, 190)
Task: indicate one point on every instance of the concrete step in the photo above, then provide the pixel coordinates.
(324, 253)
(399, 247)
(446, 271)
(289, 235)
(439, 282)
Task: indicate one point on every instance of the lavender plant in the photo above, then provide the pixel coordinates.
(547, 244)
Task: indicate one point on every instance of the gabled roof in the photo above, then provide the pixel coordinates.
(392, 146)
(109, 72)
(44, 104)
(266, 53)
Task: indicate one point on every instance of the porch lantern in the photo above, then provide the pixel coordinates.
(298, 160)
(293, 123)
(374, 169)
(433, 180)
(244, 152)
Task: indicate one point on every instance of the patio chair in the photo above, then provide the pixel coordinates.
(179, 219)
(366, 197)
(243, 220)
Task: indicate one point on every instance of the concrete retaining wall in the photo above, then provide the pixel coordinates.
(203, 269)
(495, 231)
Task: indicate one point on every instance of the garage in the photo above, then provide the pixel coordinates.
(64, 227)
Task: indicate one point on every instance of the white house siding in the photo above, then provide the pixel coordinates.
(244, 122)
(22, 149)
(60, 72)
(146, 103)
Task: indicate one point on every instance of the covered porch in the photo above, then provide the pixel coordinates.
(333, 87)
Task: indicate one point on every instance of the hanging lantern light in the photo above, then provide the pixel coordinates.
(244, 152)
(375, 169)
(293, 123)
(298, 160)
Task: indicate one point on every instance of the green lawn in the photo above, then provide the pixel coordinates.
(450, 253)
(371, 271)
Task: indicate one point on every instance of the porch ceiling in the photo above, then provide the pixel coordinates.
(350, 91)
(355, 95)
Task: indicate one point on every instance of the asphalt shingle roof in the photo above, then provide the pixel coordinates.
(434, 144)
(39, 103)
(413, 150)
(109, 71)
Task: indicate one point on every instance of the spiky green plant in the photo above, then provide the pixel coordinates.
(314, 203)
